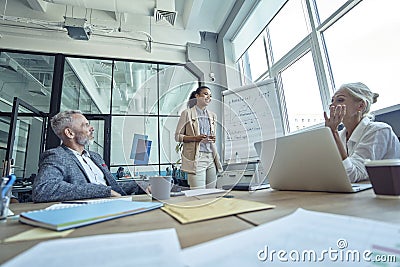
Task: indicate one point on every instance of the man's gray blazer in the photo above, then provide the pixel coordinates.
(62, 177)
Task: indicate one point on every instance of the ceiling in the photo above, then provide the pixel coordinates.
(105, 17)
(124, 15)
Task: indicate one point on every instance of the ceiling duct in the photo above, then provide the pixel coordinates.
(77, 29)
(165, 11)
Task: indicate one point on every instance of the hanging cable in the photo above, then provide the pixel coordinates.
(5, 8)
(120, 22)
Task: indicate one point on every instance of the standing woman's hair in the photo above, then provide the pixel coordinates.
(192, 98)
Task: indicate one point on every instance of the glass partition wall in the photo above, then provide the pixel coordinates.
(119, 98)
(136, 98)
(146, 99)
(25, 82)
(26, 76)
(27, 127)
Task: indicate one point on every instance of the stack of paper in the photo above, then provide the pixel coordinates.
(304, 238)
(152, 248)
(204, 209)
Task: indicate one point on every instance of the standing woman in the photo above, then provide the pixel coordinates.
(361, 138)
(196, 129)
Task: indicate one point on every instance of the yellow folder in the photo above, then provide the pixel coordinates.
(204, 209)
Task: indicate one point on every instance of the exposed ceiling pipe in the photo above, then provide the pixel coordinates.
(120, 6)
(163, 10)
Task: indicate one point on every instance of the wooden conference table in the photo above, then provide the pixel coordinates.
(363, 204)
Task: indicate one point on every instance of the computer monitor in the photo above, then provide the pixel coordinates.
(140, 151)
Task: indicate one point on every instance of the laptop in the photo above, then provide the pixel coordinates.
(307, 161)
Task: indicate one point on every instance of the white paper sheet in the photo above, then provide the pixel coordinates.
(198, 192)
(70, 204)
(149, 248)
(335, 239)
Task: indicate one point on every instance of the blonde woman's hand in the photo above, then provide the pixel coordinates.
(336, 116)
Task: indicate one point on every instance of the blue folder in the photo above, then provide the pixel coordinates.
(72, 217)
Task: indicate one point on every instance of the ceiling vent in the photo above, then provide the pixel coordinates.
(77, 29)
(165, 11)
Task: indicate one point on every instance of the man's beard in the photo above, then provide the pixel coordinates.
(91, 142)
(84, 140)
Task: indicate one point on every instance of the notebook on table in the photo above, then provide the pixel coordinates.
(307, 161)
(85, 214)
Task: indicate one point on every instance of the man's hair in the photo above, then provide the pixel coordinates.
(62, 120)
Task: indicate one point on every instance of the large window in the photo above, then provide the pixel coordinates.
(352, 41)
(327, 7)
(257, 57)
(288, 28)
(364, 46)
(303, 101)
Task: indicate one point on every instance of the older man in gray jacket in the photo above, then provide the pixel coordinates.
(69, 171)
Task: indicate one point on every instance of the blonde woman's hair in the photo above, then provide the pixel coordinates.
(361, 92)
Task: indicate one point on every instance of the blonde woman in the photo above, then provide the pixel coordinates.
(361, 138)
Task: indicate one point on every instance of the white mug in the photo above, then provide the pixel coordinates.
(161, 187)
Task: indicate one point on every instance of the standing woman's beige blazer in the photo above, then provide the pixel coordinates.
(189, 125)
